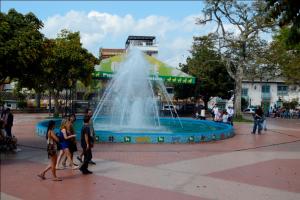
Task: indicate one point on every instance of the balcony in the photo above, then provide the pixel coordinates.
(266, 96)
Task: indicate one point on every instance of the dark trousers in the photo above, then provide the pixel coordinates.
(257, 124)
(87, 153)
(8, 131)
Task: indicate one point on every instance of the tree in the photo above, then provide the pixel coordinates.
(287, 14)
(247, 21)
(66, 63)
(206, 65)
(20, 45)
(286, 56)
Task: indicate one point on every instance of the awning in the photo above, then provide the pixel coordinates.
(165, 72)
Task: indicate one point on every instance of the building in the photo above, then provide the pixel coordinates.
(147, 44)
(269, 93)
(107, 53)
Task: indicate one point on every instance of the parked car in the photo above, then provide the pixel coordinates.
(249, 110)
(168, 107)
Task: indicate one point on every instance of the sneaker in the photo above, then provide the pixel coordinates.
(92, 162)
(78, 158)
(252, 133)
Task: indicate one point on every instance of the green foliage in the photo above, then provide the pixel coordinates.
(206, 65)
(286, 56)
(241, 119)
(290, 104)
(22, 104)
(287, 14)
(67, 61)
(20, 45)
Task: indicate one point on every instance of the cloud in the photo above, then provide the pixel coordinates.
(100, 29)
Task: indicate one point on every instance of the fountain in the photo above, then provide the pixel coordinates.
(129, 112)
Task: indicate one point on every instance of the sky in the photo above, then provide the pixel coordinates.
(107, 24)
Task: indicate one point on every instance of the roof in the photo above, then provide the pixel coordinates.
(165, 72)
(133, 37)
(104, 50)
(274, 80)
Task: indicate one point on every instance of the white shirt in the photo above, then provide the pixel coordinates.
(216, 110)
(230, 112)
(225, 118)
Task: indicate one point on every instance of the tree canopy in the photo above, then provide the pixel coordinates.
(20, 45)
(286, 56)
(206, 65)
(238, 44)
(287, 14)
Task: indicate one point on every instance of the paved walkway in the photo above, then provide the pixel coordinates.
(244, 167)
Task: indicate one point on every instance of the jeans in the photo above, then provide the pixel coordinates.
(257, 123)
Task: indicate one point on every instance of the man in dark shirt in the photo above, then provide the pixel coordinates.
(86, 145)
(258, 117)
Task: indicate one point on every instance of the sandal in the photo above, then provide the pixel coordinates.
(75, 167)
(59, 168)
(41, 176)
(57, 179)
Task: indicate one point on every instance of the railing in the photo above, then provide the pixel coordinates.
(266, 96)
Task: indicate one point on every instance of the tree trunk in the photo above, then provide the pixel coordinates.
(238, 92)
(56, 105)
(50, 104)
(38, 99)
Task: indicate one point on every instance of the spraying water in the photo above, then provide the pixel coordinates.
(129, 102)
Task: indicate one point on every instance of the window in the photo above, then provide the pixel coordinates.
(265, 92)
(244, 92)
(282, 90)
(265, 88)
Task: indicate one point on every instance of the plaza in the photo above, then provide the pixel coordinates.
(150, 100)
(243, 167)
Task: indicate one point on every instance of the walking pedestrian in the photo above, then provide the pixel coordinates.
(89, 113)
(86, 145)
(52, 141)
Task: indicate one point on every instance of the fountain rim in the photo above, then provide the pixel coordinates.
(227, 131)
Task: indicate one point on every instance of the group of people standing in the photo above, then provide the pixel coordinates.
(62, 145)
(224, 116)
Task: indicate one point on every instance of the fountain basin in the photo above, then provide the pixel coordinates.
(192, 131)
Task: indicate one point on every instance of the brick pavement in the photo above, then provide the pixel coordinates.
(243, 167)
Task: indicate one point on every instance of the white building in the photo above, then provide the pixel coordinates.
(269, 93)
(147, 44)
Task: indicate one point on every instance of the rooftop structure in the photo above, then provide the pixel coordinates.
(147, 44)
